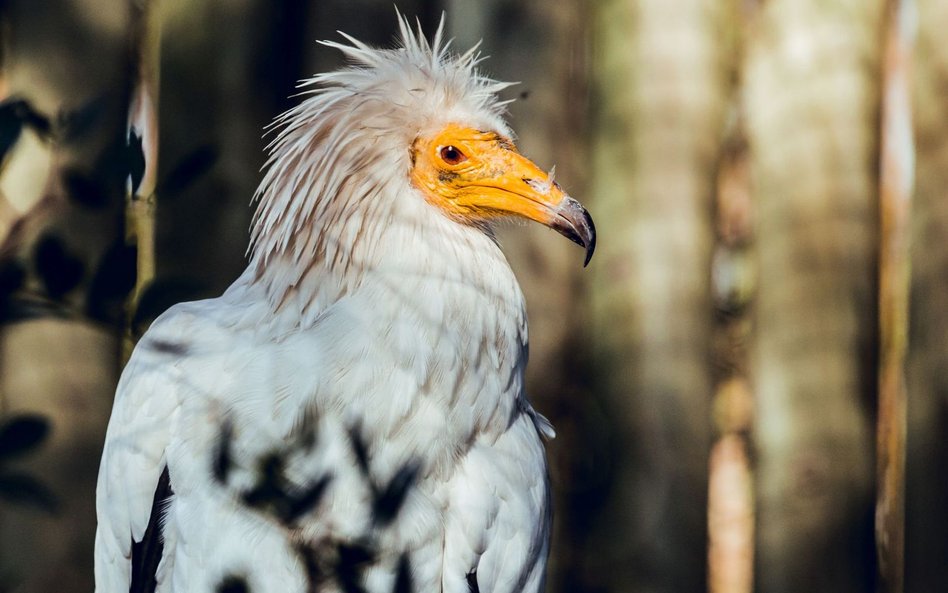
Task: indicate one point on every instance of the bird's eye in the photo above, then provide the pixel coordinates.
(452, 155)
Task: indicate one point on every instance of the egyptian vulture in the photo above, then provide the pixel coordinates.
(350, 414)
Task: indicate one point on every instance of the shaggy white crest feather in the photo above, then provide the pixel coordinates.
(364, 307)
(341, 158)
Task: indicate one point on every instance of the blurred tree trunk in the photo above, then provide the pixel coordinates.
(926, 545)
(660, 91)
(64, 280)
(543, 46)
(812, 98)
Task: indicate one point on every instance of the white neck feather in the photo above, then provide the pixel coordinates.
(336, 207)
(395, 241)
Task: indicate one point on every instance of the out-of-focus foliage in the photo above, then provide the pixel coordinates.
(20, 435)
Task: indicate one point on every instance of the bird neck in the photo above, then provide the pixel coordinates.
(404, 246)
(409, 276)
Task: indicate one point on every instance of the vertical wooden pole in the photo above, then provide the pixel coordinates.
(142, 131)
(896, 182)
(731, 513)
(731, 480)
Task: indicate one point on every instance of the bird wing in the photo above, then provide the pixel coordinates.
(202, 363)
(133, 458)
(496, 528)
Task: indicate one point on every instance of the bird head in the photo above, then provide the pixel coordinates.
(476, 176)
(379, 146)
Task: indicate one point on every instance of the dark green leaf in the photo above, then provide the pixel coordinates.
(113, 279)
(269, 493)
(16, 309)
(12, 276)
(305, 501)
(167, 347)
(360, 449)
(14, 114)
(388, 501)
(34, 119)
(24, 490)
(403, 581)
(353, 560)
(22, 433)
(10, 127)
(79, 123)
(59, 271)
(85, 189)
(135, 159)
(310, 558)
(233, 584)
(223, 457)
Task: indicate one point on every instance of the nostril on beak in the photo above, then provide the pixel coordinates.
(537, 185)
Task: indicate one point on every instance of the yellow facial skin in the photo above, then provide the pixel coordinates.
(478, 176)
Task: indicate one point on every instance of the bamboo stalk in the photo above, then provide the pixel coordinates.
(731, 493)
(731, 512)
(896, 183)
(143, 127)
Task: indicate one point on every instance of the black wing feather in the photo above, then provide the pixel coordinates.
(146, 554)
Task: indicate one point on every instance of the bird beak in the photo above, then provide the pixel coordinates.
(521, 188)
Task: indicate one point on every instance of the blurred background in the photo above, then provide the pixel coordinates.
(712, 375)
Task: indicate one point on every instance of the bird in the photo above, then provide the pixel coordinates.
(356, 397)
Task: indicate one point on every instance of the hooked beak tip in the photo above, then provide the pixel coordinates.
(574, 222)
(591, 246)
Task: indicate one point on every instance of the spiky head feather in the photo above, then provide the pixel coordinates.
(345, 151)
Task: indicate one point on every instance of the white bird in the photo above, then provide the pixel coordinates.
(371, 354)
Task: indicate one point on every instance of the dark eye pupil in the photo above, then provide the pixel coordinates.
(452, 155)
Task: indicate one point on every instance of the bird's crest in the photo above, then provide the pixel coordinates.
(349, 141)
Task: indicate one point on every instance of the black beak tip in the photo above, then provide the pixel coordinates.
(574, 222)
(589, 253)
(590, 242)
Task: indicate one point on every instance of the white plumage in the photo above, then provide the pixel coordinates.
(375, 304)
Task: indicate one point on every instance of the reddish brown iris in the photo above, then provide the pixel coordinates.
(452, 155)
